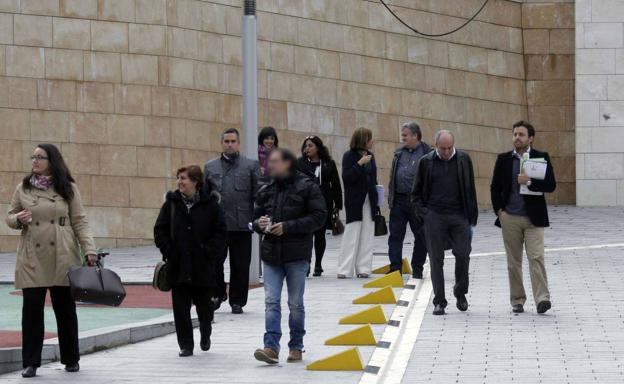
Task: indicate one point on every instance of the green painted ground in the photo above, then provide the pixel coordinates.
(88, 317)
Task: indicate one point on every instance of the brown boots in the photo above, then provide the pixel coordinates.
(269, 356)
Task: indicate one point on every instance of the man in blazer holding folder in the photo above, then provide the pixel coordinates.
(523, 217)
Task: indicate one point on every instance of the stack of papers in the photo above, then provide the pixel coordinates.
(535, 169)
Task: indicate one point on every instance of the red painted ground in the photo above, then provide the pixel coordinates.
(137, 296)
(9, 339)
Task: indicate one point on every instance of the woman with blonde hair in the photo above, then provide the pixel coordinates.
(359, 177)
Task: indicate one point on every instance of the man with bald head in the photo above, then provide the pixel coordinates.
(445, 201)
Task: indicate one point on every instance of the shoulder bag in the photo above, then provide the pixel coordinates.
(161, 280)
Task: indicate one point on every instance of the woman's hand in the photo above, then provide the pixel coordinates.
(24, 217)
(365, 159)
(263, 222)
(92, 260)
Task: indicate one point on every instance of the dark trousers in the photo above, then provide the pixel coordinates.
(439, 230)
(320, 243)
(183, 297)
(402, 214)
(33, 325)
(239, 245)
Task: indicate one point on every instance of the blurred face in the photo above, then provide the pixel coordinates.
(230, 144)
(186, 186)
(409, 139)
(40, 162)
(369, 145)
(311, 150)
(269, 142)
(521, 138)
(278, 168)
(444, 146)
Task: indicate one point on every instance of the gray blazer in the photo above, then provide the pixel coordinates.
(237, 183)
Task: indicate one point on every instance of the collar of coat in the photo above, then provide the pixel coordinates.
(204, 195)
(426, 148)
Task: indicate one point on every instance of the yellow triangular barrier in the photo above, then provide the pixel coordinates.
(372, 315)
(407, 269)
(358, 336)
(349, 360)
(384, 295)
(393, 279)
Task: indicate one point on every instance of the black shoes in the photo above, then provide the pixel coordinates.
(417, 275)
(543, 306)
(72, 367)
(204, 344)
(237, 309)
(462, 303)
(317, 272)
(185, 353)
(29, 372)
(438, 310)
(517, 308)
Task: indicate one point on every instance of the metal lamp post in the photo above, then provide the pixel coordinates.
(250, 108)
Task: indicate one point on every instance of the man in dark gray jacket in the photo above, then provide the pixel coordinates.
(402, 175)
(445, 200)
(235, 177)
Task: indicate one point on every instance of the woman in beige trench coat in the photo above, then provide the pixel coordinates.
(47, 208)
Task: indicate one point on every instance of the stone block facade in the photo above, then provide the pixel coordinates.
(132, 89)
(600, 102)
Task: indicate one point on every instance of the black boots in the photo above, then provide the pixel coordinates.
(29, 372)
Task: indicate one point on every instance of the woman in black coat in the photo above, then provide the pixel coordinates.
(359, 177)
(316, 162)
(190, 232)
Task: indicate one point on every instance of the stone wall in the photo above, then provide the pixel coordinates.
(548, 29)
(600, 101)
(131, 89)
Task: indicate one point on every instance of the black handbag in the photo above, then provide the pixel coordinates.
(96, 285)
(381, 228)
(337, 225)
(161, 280)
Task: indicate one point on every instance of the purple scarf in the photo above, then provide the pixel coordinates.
(41, 182)
(263, 157)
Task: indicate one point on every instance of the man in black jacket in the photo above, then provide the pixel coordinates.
(288, 210)
(445, 200)
(519, 203)
(402, 175)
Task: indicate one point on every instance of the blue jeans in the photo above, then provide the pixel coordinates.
(274, 275)
(401, 214)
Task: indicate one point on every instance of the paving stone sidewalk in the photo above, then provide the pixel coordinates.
(484, 345)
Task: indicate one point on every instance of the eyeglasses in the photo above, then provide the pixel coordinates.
(38, 158)
(310, 137)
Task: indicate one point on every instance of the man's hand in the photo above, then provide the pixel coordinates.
(24, 217)
(263, 222)
(498, 213)
(277, 229)
(523, 179)
(92, 260)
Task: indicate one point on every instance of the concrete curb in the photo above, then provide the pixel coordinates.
(95, 340)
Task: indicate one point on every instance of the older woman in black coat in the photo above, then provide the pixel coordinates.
(190, 232)
(359, 176)
(316, 163)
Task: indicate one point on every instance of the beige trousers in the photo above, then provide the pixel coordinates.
(356, 250)
(519, 233)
